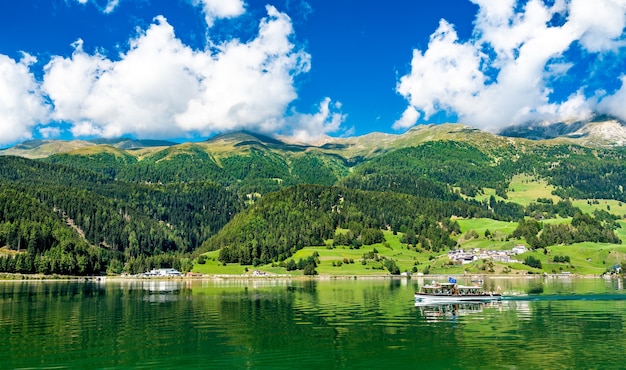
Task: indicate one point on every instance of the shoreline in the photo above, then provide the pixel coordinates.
(221, 277)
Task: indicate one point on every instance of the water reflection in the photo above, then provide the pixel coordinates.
(161, 286)
(161, 291)
(451, 311)
(271, 323)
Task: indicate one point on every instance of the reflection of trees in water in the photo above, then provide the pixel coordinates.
(338, 322)
(535, 288)
(307, 324)
(258, 323)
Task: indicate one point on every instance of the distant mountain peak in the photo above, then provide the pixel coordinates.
(600, 130)
(605, 133)
(129, 143)
(245, 136)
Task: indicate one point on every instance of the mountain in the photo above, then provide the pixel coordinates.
(98, 206)
(542, 131)
(58, 213)
(601, 131)
(250, 163)
(602, 134)
(45, 148)
(132, 144)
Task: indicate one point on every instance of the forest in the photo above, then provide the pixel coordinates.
(49, 210)
(110, 211)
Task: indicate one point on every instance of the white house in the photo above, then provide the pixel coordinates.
(163, 272)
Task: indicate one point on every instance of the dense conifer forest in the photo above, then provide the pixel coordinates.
(260, 200)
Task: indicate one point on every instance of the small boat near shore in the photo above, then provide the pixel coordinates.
(453, 292)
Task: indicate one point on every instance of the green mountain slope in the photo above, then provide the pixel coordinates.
(428, 169)
(125, 220)
(260, 199)
(283, 222)
(250, 163)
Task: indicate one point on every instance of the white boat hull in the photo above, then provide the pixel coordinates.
(434, 298)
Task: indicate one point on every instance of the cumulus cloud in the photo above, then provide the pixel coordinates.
(214, 9)
(49, 132)
(616, 103)
(409, 118)
(21, 103)
(163, 88)
(448, 69)
(506, 73)
(311, 127)
(248, 85)
(109, 6)
(140, 93)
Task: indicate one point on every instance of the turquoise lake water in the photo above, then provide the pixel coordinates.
(551, 323)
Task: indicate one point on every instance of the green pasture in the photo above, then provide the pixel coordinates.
(585, 258)
(612, 206)
(488, 244)
(621, 232)
(525, 189)
(485, 195)
(214, 267)
(404, 258)
(480, 225)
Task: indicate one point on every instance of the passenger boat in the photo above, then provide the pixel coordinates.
(453, 292)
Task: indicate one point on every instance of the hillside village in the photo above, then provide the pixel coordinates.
(459, 256)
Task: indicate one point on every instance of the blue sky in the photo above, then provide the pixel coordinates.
(188, 69)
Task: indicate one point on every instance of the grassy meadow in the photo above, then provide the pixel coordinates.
(585, 258)
(525, 189)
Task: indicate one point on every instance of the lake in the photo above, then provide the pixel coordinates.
(309, 324)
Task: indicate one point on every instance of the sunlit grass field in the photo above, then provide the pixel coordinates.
(585, 258)
(525, 189)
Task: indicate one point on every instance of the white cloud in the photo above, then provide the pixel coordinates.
(162, 88)
(409, 119)
(111, 5)
(445, 76)
(106, 9)
(86, 128)
(50, 132)
(248, 85)
(504, 74)
(21, 102)
(616, 104)
(214, 9)
(576, 107)
(601, 23)
(310, 127)
(139, 94)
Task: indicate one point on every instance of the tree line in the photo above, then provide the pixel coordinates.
(68, 220)
(307, 215)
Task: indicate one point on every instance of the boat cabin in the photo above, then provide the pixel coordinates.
(451, 289)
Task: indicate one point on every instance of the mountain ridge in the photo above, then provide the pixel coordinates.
(36, 149)
(600, 130)
(261, 199)
(605, 132)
